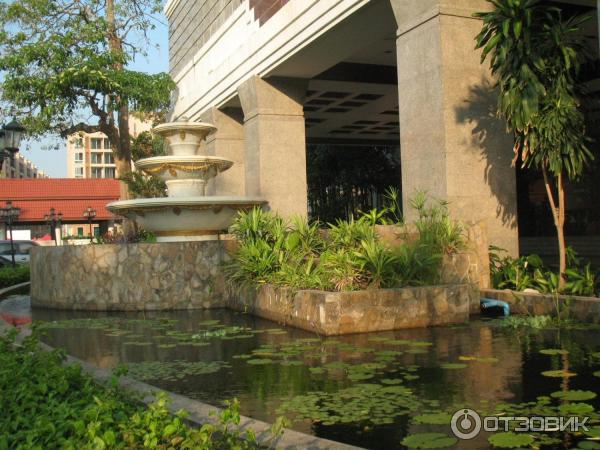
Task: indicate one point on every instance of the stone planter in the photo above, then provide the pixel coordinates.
(585, 309)
(336, 313)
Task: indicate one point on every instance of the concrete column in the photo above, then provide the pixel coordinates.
(275, 142)
(227, 142)
(452, 145)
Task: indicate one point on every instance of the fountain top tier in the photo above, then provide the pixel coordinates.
(183, 137)
(187, 213)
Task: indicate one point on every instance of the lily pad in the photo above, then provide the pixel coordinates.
(593, 432)
(439, 418)
(575, 395)
(259, 361)
(429, 440)
(453, 366)
(510, 440)
(558, 374)
(597, 374)
(575, 409)
(481, 359)
(588, 445)
(554, 351)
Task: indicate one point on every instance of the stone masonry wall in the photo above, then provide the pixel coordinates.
(336, 313)
(132, 277)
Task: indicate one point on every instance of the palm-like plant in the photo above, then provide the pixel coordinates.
(536, 54)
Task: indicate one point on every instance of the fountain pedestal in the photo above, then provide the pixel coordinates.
(186, 214)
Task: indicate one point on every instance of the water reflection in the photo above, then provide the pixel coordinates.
(499, 365)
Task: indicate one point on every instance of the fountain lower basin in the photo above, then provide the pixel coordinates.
(184, 219)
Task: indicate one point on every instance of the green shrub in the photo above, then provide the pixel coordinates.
(529, 272)
(46, 405)
(347, 256)
(9, 276)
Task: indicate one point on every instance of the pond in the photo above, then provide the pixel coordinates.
(371, 390)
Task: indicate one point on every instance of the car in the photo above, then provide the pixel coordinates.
(22, 249)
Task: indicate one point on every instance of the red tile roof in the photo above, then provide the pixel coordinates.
(69, 196)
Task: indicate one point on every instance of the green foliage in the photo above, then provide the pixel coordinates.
(10, 276)
(61, 59)
(536, 55)
(144, 186)
(146, 145)
(346, 256)
(435, 227)
(46, 404)
(529, 272)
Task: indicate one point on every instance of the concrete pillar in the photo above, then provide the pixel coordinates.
(275, 142)
(227, 142)
(452, 145)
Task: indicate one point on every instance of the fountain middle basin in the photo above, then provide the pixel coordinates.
(184, 218)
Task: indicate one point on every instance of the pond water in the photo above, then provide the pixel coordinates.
(370, 390)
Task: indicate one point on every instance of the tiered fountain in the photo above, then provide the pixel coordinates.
(187, 213)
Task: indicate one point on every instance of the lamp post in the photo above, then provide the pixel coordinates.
(89, 214)
(53, 220)
(10, 139)
(8, 214)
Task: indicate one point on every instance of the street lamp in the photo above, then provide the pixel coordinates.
(10, 139)
(9, 214)
(89, 214)
(53, 220)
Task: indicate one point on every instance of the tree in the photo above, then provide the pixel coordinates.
(536, 54)
(63, 58)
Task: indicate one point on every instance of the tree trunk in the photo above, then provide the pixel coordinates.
(121, 144)
(558, 214)
(560, 230)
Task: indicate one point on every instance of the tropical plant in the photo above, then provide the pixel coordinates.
(347, 256)
(63, 59)
(378, 262)
(417, 264)
(350, 233)
(529, 272)
(436, 228)
(536, 55)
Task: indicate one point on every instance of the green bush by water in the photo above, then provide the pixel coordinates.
(345, 256)
(10, 276)
(529, 272)
(46, 405)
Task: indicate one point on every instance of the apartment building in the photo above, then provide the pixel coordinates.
(20, 167)
(89, 155)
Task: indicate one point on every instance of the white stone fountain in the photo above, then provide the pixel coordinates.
(187, 214)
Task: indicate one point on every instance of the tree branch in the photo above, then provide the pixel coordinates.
(80, 127)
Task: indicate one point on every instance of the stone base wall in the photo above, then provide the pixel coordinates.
(585, 309)
(335, 313)
(129, 277)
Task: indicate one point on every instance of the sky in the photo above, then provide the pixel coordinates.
(50, 154)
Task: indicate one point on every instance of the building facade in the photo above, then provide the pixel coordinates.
(20, 167)
(276, 75)
(89, 155)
